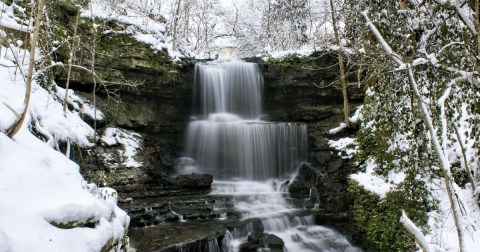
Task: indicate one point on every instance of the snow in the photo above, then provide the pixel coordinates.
(305, 51)
(375, 183)
(346, 146)
(357, 117)
(8, 19)
(40, 188)
(130, 142)
(337, 129)
(442, 234)
(45, 110)
(415, 231)
(39, 185)
(143, 28)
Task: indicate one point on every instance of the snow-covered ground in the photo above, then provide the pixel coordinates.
(45, 204)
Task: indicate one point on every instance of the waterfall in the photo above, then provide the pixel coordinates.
(249, 158)
(230, 141)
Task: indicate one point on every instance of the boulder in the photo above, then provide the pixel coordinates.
(299, 189)
(257, 228)
(307, 174)
(334, 165)
(273, 241)
(194, 180)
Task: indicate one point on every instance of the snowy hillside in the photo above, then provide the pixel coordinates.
(45, 204)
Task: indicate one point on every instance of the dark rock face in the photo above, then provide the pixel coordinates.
(194, 180)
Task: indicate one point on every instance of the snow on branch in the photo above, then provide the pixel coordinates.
(463, 12)
(437, 147)
(397, 58)
(415, 232)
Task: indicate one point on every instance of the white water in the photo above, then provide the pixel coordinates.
(231, 142)
(266, 201)
(246, 155)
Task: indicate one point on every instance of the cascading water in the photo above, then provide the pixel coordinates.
(247, 156)
(230, 141)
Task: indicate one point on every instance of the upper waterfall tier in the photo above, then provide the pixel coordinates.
(234, 87)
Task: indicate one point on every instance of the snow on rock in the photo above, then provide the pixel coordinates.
(79, 104)
(130, 142)
(9, 20)
(375, 183)
(143, 28)
(358, 116)
(337, 129)
(346, 146)
(302, 52)
(38, 186)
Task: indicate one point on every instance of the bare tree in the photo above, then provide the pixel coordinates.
(28, 85)
(70, 62)
(341, 65)
(175, 24)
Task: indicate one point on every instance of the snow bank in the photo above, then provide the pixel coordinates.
(45, 204)
(45, 110)
(375, 183)
(38, 186)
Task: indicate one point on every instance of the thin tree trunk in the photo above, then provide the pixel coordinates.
(342, 67)
(465, 161)
(94, 77)
(175, 23)
(70, 62)
(437, 147)
(28, 85)
(477, 27)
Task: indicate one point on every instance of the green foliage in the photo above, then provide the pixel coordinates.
(378, 219)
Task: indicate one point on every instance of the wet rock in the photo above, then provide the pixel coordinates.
(253, 244)
(194, 180)
(257, 228)
(334, 165)
(307, 174)
(299, 189)
(273, 241)
(323, 156)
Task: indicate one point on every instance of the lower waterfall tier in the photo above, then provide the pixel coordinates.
(228, 147)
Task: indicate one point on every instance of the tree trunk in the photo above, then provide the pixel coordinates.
(346, 111)
(70, 62)
(28, 85)
(175, 23)
(477, 27)
(94, 44)
(465, 160)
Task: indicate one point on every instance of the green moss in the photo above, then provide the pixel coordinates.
(74, 224)
(377, 220)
